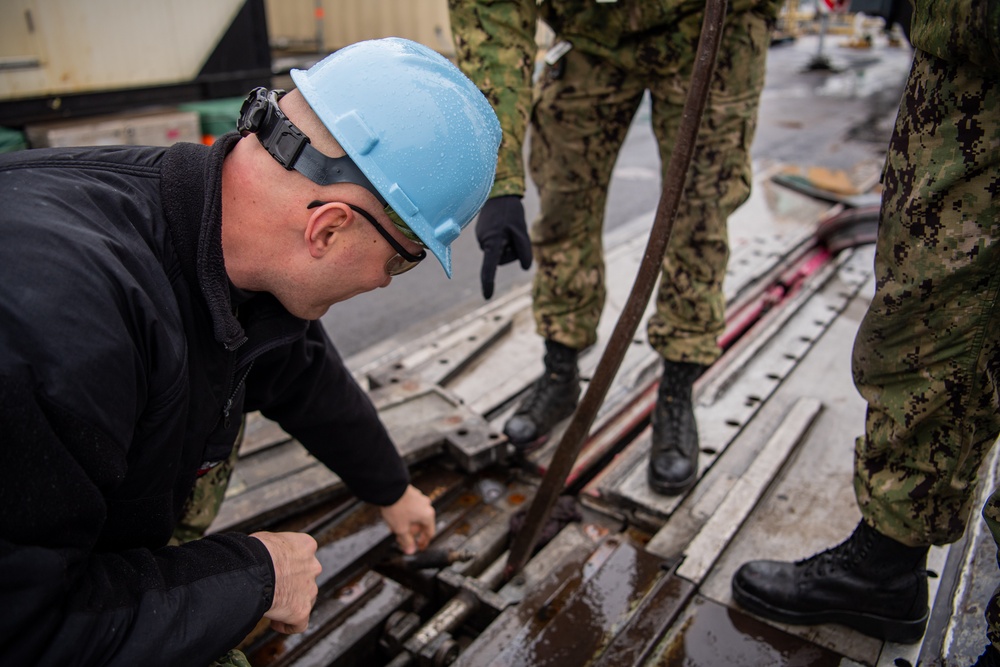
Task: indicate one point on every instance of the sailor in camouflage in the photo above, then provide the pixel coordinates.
(605, 57)
(927, 354)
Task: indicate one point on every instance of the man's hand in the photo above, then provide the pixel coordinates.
(411, 519)
(503, 237)
(295, 572)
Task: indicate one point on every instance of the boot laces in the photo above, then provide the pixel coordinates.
(844, 556)
(549, 392)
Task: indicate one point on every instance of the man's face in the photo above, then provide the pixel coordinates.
(354, 248)
(405, 258)
(359, 260)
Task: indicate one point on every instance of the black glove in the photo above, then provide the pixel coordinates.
(503, 237)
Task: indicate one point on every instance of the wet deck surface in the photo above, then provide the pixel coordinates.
(637, 579)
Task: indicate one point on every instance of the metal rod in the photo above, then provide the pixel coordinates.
(621, 338)
(453, 614)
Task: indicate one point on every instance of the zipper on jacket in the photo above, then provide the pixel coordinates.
(229, 403)
(236, 389)
(252, 356)
(232, 347)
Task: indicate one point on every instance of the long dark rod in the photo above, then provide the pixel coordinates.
(621, 338)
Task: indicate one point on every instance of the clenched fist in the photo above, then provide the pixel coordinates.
(295, 572)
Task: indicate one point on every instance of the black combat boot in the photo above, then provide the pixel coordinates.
(869, 582)
(552, 398)
(673, 457)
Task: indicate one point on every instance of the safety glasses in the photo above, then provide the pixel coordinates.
(399, 263)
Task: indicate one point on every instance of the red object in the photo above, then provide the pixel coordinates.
(834, 6)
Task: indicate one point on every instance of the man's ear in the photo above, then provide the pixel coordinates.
(323, 226)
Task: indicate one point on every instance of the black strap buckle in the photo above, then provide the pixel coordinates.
(261, 115)
(253, 112)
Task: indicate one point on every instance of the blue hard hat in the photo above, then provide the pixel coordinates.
(417, 127)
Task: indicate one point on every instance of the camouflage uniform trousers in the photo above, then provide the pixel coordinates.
(582, 111)
(200, 509)
(927, 354)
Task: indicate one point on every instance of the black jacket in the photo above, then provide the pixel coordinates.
(123, 369)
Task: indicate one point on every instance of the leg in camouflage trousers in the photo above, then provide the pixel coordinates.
(585, 104)
(927, 355)
(690, 304)
(926, 358)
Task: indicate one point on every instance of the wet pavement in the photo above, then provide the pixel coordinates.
(717, 635)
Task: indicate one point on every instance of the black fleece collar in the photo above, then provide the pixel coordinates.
(191, 188)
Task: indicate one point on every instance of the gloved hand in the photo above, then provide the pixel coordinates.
(503, 237)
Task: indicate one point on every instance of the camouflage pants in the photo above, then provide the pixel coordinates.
(200, 509)
(582, 111)
(927, 355)
(202, 506)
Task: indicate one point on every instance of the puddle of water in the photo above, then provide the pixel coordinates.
(716, 635)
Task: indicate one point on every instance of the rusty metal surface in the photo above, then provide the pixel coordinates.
(339, 620)
(635, 643)
(575, 613)
(277, 476)
(604, 591)
(425, 419)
